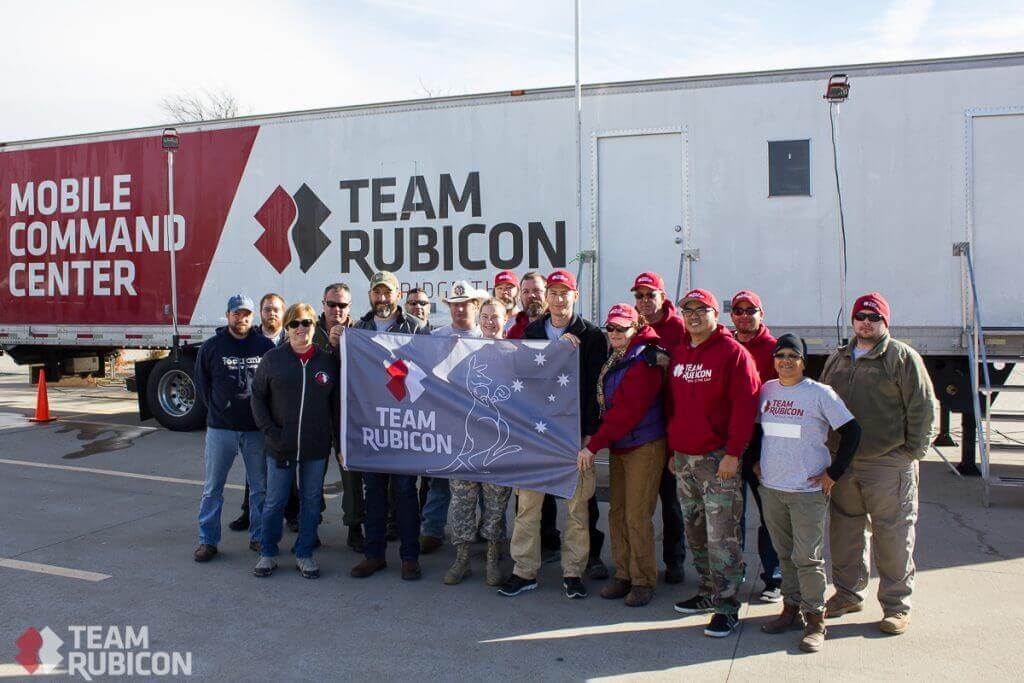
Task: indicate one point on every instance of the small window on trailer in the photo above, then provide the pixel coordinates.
(789, 168)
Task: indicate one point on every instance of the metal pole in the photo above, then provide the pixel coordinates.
(842, 227)
(172, 238)
(579, 154)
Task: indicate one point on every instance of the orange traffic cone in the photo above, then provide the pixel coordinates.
(42, 402)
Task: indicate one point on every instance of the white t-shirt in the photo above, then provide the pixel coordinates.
(449, 331)
(385, 324)
(795, 421)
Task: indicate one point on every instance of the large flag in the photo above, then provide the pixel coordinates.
(495, 411)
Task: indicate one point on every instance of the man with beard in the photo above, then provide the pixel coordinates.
(750, 331)
(271, 315)
(885, 385)
(506, 290)
(653, 303)
(531, 296)
(387, 316)
(224, 370)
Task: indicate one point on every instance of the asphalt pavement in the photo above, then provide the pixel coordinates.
(99, 524)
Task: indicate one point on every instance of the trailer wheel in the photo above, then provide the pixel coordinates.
(172, 396)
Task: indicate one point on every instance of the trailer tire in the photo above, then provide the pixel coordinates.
(172, 396)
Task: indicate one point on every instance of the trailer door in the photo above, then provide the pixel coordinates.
(997, 193)
(639, 209)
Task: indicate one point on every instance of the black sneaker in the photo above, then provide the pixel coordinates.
(516, 585)
(205, 553)
(550, 541)
(293, 525)
(722, 625)
(698, 604)
(574, 588)
(596, 569)
(240, 524)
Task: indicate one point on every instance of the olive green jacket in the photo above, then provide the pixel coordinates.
(889, 392)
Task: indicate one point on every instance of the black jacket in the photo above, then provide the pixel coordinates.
(296, 405)
(224, 374)
(594, 352)
(322, 335)
(404, 323)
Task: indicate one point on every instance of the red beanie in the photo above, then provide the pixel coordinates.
(873, 301)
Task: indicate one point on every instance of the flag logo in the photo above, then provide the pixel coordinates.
(406, 379)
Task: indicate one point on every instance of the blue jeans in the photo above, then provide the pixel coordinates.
(279, 484)
(222, 445)
(406, 506)
(435, 512)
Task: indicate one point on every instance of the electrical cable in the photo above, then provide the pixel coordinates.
(842, 217)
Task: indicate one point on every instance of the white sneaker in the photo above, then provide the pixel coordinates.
(771, 594)
(265, 567)
(308, 567)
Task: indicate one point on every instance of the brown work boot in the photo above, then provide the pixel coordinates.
(894, 624)
(789, 620)
(616, 589)
(429, 544)
(411, 570)
(639, 596)
(838, 605)
(460, 568)
(368, 567)
(814, 632)
(494, 577)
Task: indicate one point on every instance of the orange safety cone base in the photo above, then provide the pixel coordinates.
(42, 402)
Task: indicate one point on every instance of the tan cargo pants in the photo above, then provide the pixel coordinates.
(881, 493)
(525, 544)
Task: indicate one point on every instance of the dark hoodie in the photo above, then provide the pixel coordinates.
(713, 391)
(225, 368)
(629, 398)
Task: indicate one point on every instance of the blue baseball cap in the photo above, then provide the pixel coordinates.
(239, 302)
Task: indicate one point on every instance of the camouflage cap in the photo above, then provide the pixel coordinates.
(386, 278)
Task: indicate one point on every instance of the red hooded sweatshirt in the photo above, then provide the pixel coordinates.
(762, 348)
(633, 397)
(670, 328)
(713, 391)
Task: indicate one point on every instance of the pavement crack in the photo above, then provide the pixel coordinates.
(979, 535)
(89, 533)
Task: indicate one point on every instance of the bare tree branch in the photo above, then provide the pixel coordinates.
(201, 105)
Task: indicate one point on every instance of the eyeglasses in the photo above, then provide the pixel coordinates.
(650, 296)
(873, 317)
(745, 311)
(335, 304)
(697, 312)
(615, 329)
(413, 302)
(294, 325)
(788, 356)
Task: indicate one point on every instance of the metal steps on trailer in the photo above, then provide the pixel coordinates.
(993, 420)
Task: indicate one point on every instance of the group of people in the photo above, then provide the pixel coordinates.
(691, 412)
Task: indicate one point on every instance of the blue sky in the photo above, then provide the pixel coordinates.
(106, 64)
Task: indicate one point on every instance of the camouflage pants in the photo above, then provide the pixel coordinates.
(712, 514)
(462, 511)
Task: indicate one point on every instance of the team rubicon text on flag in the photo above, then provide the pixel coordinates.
(496, 411)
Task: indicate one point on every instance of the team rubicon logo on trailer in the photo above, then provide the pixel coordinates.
(322, 377)
(406, 379)
(299, 215)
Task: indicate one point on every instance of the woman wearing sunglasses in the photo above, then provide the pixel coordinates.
(629, 392)
(797, 473)
(295, 404)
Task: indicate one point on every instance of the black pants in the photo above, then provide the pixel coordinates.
(673, 545)
(549, 522)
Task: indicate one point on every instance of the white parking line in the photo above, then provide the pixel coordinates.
(53, 570)
(127, 475)
(18, 671)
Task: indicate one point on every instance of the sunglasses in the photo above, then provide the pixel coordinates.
(873, 317)
(616, 329)
(413, 302)
(295, 324)
(745, 311)
(650, 296)
(788, 356)
(335, 304)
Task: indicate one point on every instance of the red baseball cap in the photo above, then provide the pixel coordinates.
(650, 280)
(702, 295)
(873, 301)
(747, 295)
(562, 277)
(506, 277)
(622, 314)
